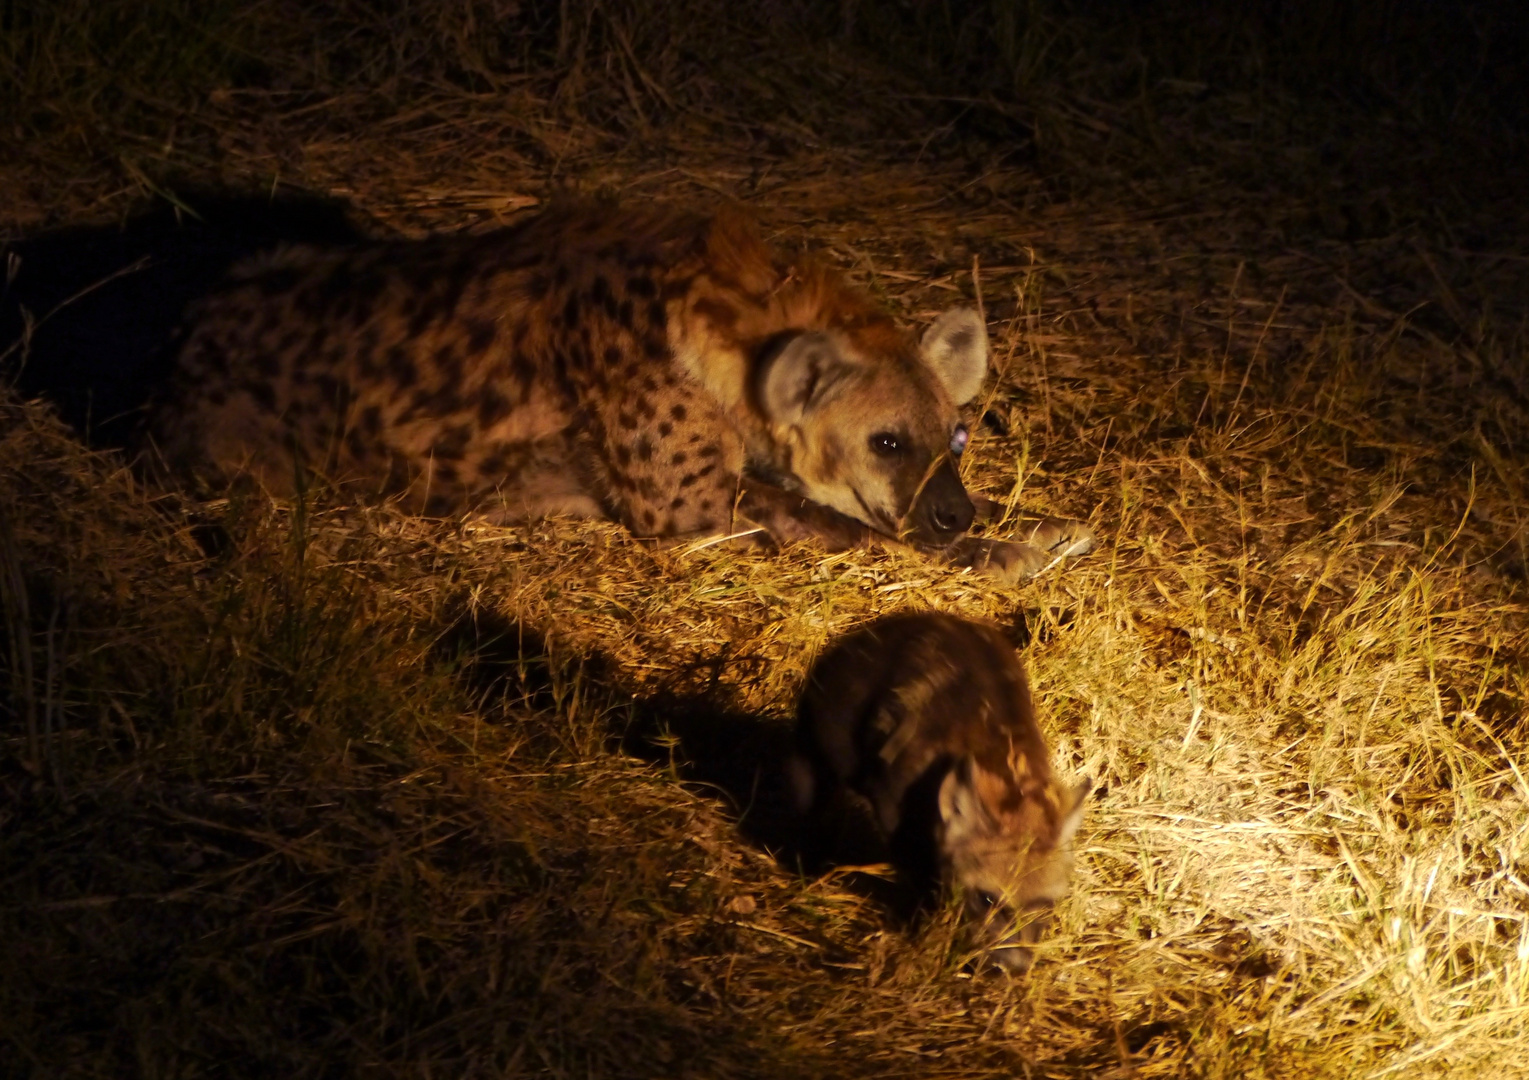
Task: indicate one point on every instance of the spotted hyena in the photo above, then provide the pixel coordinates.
(664, 369)
(930, 718)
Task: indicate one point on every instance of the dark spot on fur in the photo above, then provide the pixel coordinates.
(480, 334)
(310, 303)
(264, 395)
(427, 313)
(613, 355)
(332, 391)
(401, 366)
(571, 311)
(451, 443)
(277, 282)
(449, 361)
(319, 343)
(710, 451)
(497, 461)
(626, 420)
(644, 449)
(441, 401)
(492, 406)
(214, 358)
(371, 420)
(689, 479)
(665, 428)
(624, 314)
(679, 457)
(642, 286)
(525, 371)
(623, 456)
(399, 474)
(339, 285)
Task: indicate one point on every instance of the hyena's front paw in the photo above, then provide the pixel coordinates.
(1002, 559)
(1059, 538)
(1040, 542)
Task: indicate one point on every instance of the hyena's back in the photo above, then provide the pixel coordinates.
(449, 371)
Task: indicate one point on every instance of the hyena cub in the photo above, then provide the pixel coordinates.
(664, 369)
(930, 718)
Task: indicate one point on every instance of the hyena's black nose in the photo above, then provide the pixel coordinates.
(951, 519)
(1015, 959)
(944, 510)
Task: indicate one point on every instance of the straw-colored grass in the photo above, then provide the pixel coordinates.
(328, 790)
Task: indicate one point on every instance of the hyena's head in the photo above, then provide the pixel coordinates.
(871, 424)
(1007, 850)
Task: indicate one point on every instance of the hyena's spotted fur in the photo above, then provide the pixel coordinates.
(930, 718)
(664, 369)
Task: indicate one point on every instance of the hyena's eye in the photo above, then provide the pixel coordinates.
(886, 443)
(958, 439)
(986, 900)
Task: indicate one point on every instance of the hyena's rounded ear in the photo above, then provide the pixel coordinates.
(1072, 817)
(962, 809)
(796, 374)
(955, 349)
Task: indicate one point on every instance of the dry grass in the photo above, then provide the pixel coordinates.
(325, 790)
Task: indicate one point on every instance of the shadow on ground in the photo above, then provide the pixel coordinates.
(692, 728)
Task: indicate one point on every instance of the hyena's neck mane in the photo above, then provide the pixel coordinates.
(772, 292)
(740, 295)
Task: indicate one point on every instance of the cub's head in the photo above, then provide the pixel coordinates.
(870, 424)
(1008, 852)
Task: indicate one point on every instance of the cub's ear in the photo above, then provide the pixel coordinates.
(962, 810)
(798, 375)
(1073, 816)
(955, 349)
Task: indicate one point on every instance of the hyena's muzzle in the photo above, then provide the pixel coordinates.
(940, 510)
(1008, 937)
